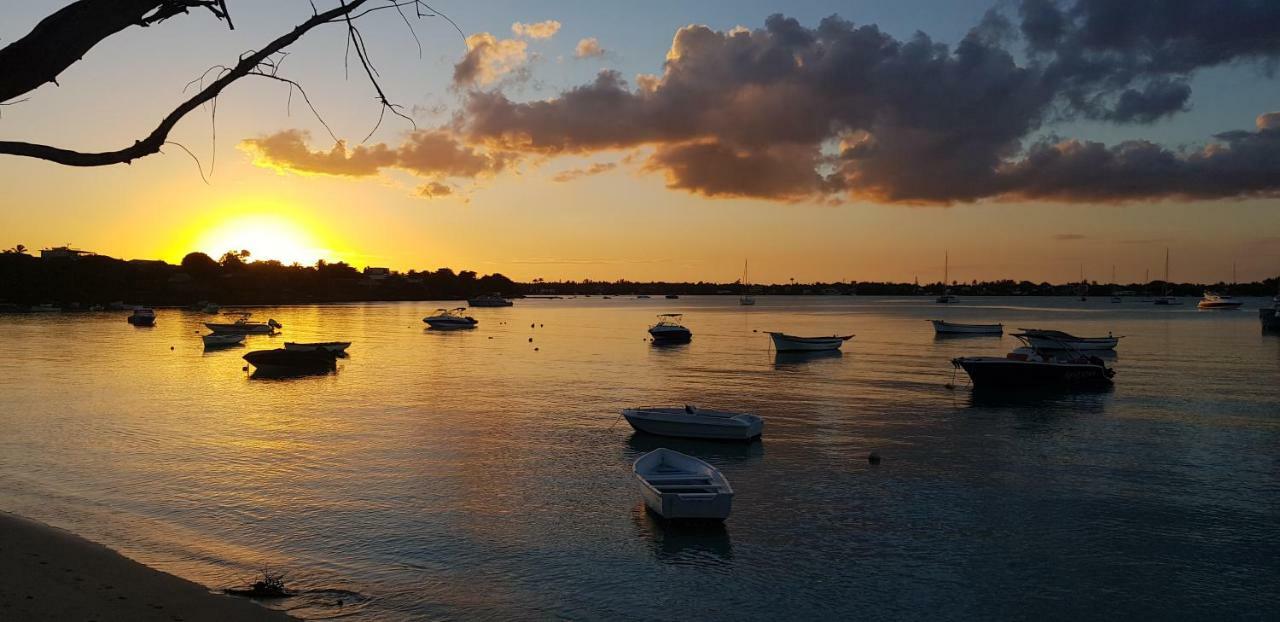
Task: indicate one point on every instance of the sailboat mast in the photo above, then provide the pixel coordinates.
(946, 270)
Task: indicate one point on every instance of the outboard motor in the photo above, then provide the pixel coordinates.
(274, 324)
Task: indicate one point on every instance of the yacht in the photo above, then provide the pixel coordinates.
(1030, 368)
(1213, 300)
(670, 330)
(493, 300)
(450, 318)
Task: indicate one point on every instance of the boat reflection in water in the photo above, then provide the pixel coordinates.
(691, 543)
(717, 452)
(784, 360)
(282, 363)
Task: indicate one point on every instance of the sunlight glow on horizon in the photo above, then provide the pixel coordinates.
(268, 231)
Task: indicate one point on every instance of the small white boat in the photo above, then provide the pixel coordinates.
(1041, 339)
(336, 347)
(1213, 300)
(222, 339)
(690, 422)
(143, 316)
(783, 342)
(669, 329)
(676, 486)
(450, 318)
(244, 326)
(489, 301)
(943, 327)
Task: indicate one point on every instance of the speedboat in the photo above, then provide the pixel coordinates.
(243, 326)
(489, 301)
(282, 362)
(670, 330)
(214, 340)
(450, 318)
(1035, 368)
(783, 342)
(336, 347)
(943, 327)
(143, 316)
(1213, 300)
(693, 422)
(1057, 340)
(677, 486)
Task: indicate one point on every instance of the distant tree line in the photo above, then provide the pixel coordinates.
(234, 279)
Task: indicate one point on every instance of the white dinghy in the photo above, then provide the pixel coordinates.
(336, 347)
(1043, 339)
(783, 342)
(676, 486)
(690, 422)
(214, 340)
(943, 327)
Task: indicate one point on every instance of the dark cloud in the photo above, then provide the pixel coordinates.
(790, 112)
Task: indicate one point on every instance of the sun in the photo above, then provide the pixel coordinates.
(265, 236)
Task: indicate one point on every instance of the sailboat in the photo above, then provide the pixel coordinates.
(1083, 290)
(946, 297)
(1115, 294)
(1166, 299)
(747, 299)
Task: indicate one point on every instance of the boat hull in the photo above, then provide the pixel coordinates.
(222, 340)
(243, 329)
(671, 335)
(1083, 344)
(336, 347)
(281, 362)
(1219, 306)
(943, 327)
(449, 324)
(142, 320)
(790, 343)
(679, 487)
(987, 372)
(677, 423)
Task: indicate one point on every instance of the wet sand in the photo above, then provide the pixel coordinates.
(50, 574)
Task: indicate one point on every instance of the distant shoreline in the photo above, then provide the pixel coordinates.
(47, 573)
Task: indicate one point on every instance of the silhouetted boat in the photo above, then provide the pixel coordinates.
(641, 297)
(1270, 317)
(143, 316)
(336, 347)
(783, 342)
(669, 329)
(1058, 340)
(45, 308)
(489, 301)
(1216, 301)
(1034, 368)
(947, 297)
(244, 326)
(747, 299)
(1166, 298)
(677, 486)
(450, 318)
(690, 422)
(215, 340)
(285, 362)
(672, 296)
(943, 327)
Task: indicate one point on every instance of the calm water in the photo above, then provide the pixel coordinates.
(479, 475)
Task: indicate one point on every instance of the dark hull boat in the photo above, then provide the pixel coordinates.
(282, 362)
(991, 371)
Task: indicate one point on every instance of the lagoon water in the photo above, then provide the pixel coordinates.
(476, 474)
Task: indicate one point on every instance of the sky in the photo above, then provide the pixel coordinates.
(821, 141)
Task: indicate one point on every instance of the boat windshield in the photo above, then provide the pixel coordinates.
(670, 319)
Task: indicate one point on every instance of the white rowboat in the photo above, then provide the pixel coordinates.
(222, 339)
(336, 347)
(1042, 339)
(783, 342)
(690, 422)
(943, 327)
(676, 486)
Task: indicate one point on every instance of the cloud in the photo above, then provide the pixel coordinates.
(488, 59)
(1068, 237)
(430, 154)
(588, 48)
(575, 173)
(539, 30)
(791, 113)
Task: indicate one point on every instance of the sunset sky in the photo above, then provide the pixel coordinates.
(673, 140)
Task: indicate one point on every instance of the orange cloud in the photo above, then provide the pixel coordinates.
(589, 48)
(539, 30)
(488, 59)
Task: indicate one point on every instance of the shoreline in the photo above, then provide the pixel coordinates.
(48, 573)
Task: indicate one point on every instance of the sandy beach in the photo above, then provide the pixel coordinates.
(50, 574)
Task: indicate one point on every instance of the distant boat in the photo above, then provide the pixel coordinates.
(288, 362)
(641, 297)
(143, 316)
(489, 301)
(211, 309)
(1033, 368)
(676, 486)
(1270, 316)
(336, 347)
(45, 308)
(947, 297)
(670, 330)
(690, 422)
(450, 318)
(244, 326)
(783, 342)
(1166, 299)
(943, 327)
(1043, 339)
(1214, 301)
(214, 340)
(672, 296)
(746, 299)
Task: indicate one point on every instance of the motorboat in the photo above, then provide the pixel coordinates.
(1212, 300)
(1035, 368)
(450, 318)
(244, 326)
(691, 422)
(677, 486)
(143, 316)
(282, 362)
(215, 340)
(1057, 340)
(943, 327)
(669, 329)
(783, 342)
(489, 301)
(336, 347)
